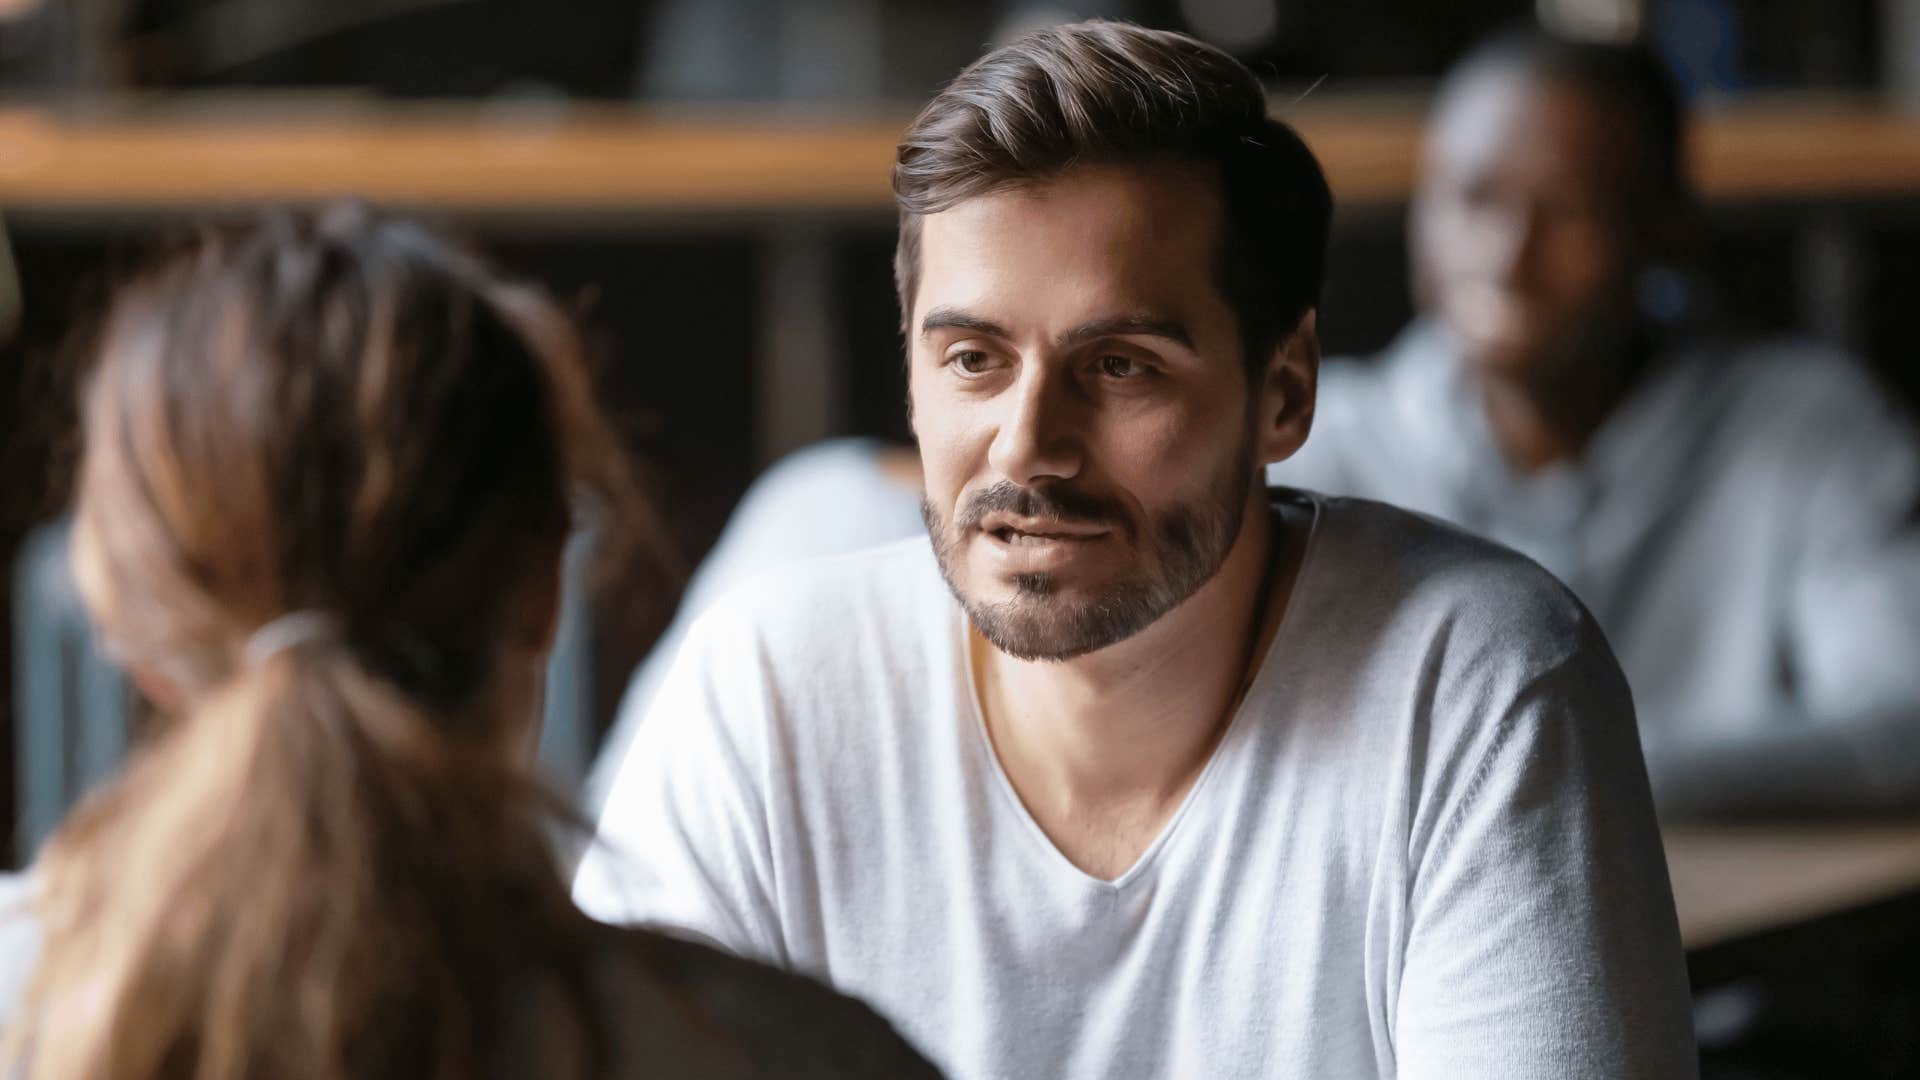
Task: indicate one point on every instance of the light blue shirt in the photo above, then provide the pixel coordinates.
(1745, 527)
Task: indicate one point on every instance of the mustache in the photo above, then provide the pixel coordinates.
(1054, 502)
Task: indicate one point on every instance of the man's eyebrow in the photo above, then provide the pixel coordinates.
(1129, 325)
(953, 318)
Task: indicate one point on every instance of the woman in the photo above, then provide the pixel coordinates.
(330, 465)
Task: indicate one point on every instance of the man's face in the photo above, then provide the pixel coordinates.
(1523, 235)
(1084, 416)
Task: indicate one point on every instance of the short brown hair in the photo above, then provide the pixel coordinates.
(1104, 92)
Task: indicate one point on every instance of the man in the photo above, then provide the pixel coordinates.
(1743, 520)
(1137, 768)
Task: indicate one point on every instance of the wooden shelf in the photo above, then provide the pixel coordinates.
(630, 161)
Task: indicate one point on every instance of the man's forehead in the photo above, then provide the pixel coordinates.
(1123, 239)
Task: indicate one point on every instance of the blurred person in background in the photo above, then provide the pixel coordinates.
(1742, 517)
(1131, 766)
(330, 464)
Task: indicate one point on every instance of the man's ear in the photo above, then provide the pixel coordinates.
(1287, 392)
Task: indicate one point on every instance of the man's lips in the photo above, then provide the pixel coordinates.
(1013, 530)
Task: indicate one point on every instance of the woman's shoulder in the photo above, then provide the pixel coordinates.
(664, 992)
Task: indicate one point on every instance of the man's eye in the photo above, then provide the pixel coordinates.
(973, 361)
(1118, 367)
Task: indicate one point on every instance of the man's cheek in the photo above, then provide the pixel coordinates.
(942, 485)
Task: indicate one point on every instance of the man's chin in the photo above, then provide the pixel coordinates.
(1011, 590)
(1039, 617)
(1032, 629)
(999, 572)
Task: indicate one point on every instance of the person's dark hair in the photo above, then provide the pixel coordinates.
(329, 859)
(1103, 93)
(1628, 77)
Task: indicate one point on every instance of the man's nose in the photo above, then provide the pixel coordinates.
(1041, 437)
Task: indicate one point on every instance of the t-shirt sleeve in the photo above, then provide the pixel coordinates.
(682, 841)
(1541, 939)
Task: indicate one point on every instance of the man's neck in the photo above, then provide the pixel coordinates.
(1107, 745)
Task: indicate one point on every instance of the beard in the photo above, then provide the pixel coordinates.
(1179, 550)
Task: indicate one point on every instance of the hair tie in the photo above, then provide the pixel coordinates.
(289, 631)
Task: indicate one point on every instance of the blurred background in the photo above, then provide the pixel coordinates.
(706, 181)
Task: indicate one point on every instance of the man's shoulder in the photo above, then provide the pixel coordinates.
(1426, 547)
(878, 578)
(1413, 628)
(1413, 570)
(814, 604)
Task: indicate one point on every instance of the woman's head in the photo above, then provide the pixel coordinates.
(328, 857)
(341, 414)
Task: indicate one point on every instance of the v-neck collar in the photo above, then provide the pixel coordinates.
(1257, 691)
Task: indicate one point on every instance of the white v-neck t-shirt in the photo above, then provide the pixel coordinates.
(1423, 848)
